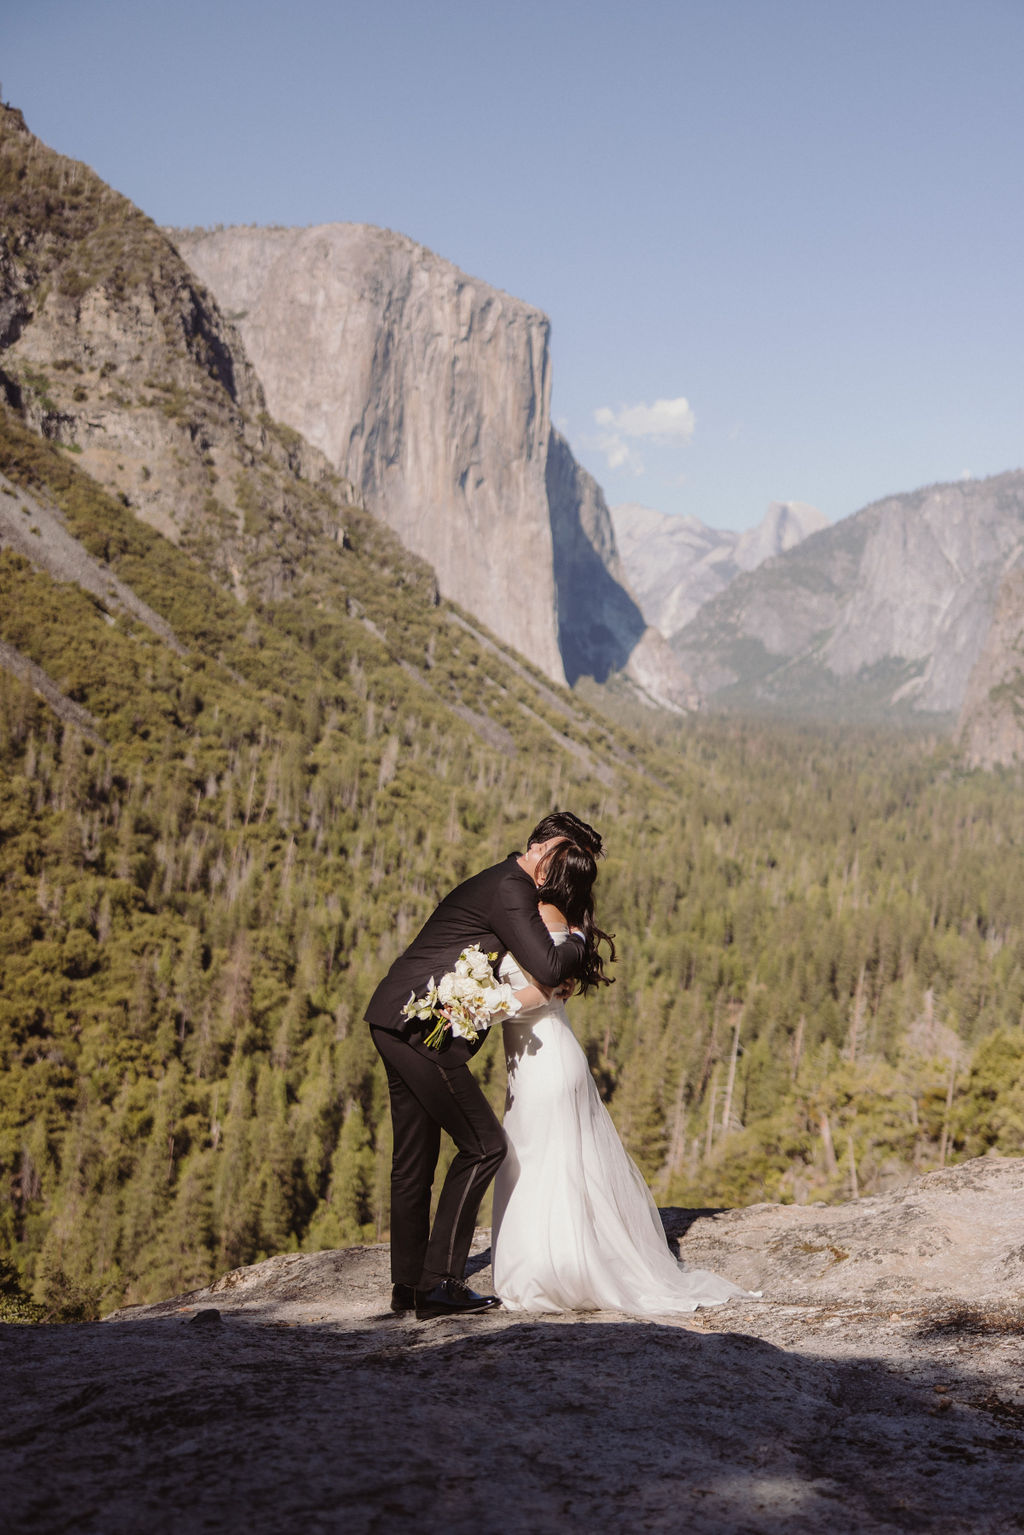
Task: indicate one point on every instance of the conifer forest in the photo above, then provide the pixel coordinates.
(820, 982)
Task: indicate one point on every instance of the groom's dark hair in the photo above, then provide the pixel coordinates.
(562, 823)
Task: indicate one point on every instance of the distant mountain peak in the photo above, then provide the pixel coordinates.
(784, 525)
(676, 564)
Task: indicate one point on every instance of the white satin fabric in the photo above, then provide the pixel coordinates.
(575, 1227)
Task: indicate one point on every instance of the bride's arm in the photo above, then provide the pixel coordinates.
(531, 996)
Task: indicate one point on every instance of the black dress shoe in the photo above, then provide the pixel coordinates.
(403, 1297)
(452, 1297)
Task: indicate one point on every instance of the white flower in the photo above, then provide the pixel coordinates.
(506, 1001)
(454, 987)
(475, 963)
(423, 1008)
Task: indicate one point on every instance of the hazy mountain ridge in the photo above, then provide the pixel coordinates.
(431, 391)
(676, 564)
(885, 612)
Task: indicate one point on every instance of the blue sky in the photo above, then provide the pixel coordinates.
(780, 241)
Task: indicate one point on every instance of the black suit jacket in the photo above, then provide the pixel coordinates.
(496, 909)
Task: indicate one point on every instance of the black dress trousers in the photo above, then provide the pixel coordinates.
(431, 1091)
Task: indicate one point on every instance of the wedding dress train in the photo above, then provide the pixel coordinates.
(575, 1227)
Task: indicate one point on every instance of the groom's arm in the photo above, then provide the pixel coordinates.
(519, 928)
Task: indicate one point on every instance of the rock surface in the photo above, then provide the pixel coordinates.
(430, 390)
(888, 609)
(676, 564)
(875, 1388)
(601, 628)
(991, 724)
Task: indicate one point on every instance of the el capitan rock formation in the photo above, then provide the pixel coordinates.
(430, 391)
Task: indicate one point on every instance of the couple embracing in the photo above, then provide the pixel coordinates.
(575, 1227)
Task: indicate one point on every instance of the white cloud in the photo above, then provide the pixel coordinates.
(665, 418)
(664, 421)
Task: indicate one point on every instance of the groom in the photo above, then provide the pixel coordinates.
(434, 1090)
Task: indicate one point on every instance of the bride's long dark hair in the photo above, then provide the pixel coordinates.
(569, 875)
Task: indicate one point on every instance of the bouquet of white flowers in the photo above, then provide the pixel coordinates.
(465, 1002)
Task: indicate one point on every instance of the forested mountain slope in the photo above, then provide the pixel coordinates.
(209, 858)
(821, 969)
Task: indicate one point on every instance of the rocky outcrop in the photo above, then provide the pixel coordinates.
(784, 525)
(430, 390)
(991, 725)
(875, 1389)
(886, 611)
(676, 564)
(947, 1235)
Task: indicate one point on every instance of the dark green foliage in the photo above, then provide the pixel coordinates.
(196, 913)
(15, 1305)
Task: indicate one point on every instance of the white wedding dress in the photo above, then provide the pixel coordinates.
(574, 1226)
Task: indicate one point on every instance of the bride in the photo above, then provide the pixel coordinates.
(575, 1227)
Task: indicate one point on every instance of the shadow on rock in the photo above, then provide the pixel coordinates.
(496, 1424)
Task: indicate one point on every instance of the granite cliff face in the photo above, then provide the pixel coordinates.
(676, 564)
(600, 625)
(430, 390)
(886, 611)
(991, 724)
